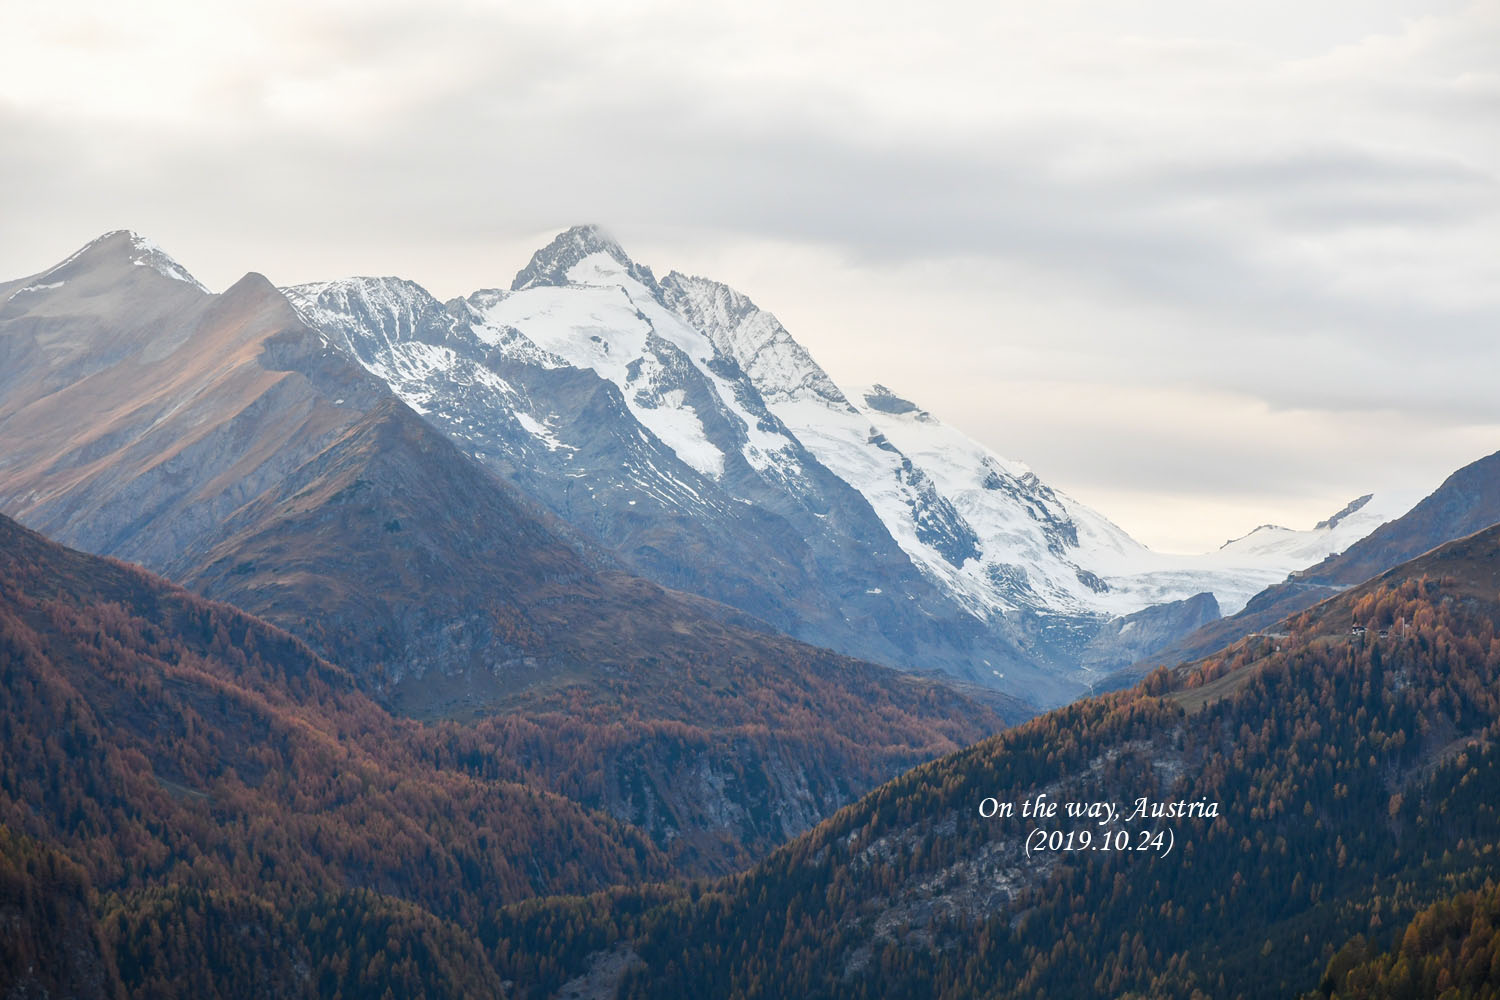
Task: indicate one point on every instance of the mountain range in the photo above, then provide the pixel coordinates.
(670, 428)
(683, 427)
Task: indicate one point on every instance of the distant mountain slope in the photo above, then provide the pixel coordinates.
(1464, 503)
(1353, 780)
(1082, 559)
(132, 397)
(1033, 547)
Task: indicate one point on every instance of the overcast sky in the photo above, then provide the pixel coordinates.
(1201, 264)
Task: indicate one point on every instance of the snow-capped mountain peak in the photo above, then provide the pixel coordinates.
(146, 253)
(1279, 545)
(112, 249)
(394, 309)
(581, 255)
(1353, 507)
(584, 301)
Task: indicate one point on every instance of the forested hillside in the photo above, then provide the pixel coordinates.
(1450, 949)
(180, 780)
(1355, 779)
(221, 785)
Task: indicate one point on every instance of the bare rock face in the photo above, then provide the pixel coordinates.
(136, 398)
(1125, 640)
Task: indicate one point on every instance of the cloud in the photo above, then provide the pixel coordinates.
(1290, 205)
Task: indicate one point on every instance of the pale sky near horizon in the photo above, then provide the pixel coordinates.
(1203, 265)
